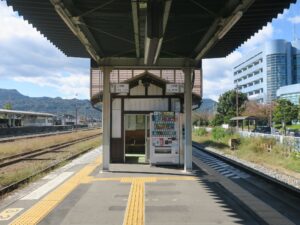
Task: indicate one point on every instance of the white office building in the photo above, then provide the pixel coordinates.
(263, 71)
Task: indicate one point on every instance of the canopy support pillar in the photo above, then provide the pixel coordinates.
(106, 118)
(188, 119)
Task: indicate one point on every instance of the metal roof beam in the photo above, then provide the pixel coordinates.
(134, 63)
(156, 24)
(135, 18)
(220, 27)
(76, 26)
(204, 8)
(96, 9)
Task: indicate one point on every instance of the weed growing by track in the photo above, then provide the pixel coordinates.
(262, 151)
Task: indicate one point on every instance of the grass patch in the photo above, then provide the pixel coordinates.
(207, 140)
(259, 150)
(200, 131)
(294, 127)
(262, 151)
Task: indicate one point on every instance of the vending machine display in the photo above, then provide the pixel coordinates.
(164, 133)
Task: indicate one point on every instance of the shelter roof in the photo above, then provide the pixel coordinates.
(151, 79)
(189, 29)
(146, 75)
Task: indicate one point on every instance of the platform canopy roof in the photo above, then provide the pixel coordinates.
(19, 112)
(148, 33)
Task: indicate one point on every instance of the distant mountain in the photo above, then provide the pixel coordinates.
(208, 106)
(45, 104)
(67, 106)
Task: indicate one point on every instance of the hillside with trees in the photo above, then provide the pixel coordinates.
(12, 99)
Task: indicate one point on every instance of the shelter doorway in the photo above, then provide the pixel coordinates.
(136, 133)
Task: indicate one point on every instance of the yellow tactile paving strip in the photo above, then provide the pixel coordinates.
(41, 209)
(135, 210)
(135, 207)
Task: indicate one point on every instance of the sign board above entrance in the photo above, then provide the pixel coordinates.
(174, 88)
(119, 88)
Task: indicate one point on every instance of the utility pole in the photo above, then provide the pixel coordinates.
(76, 112)
(271, 105)
(237, 105)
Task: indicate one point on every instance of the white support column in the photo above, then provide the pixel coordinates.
(188, 119)
(106, 118)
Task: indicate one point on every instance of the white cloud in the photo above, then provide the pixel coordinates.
(217, 73)
(14, 26)
(263, 35)
(294, 19)
(67, 86)
(31, 58)
(283, 15)
(214, 89)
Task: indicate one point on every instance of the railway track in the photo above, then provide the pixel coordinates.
(10, 160)
(250, 188)
(15, 159)
(22, 137)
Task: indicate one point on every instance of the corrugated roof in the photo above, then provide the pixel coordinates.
(112, 26)
(257, 16)
(7, 111)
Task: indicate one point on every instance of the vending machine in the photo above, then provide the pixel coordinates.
(165, 138)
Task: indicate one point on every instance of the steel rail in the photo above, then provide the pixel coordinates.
(30, 136)
(17, 184)
(10, 160)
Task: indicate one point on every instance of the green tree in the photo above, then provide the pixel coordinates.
(299, 110)
(226, 108)
(284, 112)
(217, 121)
(7, 106)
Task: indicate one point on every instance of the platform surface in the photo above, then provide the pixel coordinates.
(129, 194)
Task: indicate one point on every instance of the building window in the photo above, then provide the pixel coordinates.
(276, 74)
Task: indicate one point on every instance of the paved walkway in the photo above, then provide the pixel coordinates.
(128, 194)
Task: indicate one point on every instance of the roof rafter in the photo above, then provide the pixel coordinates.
(95, 9)
(219, 28)
(204, 8)
(76, 26)
(136, 30)
(154, 38)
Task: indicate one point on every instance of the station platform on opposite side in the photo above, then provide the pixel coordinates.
(129, 194)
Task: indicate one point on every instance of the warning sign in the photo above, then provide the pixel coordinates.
(9, 213)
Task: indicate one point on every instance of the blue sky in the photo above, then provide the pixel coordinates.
(33, 66)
